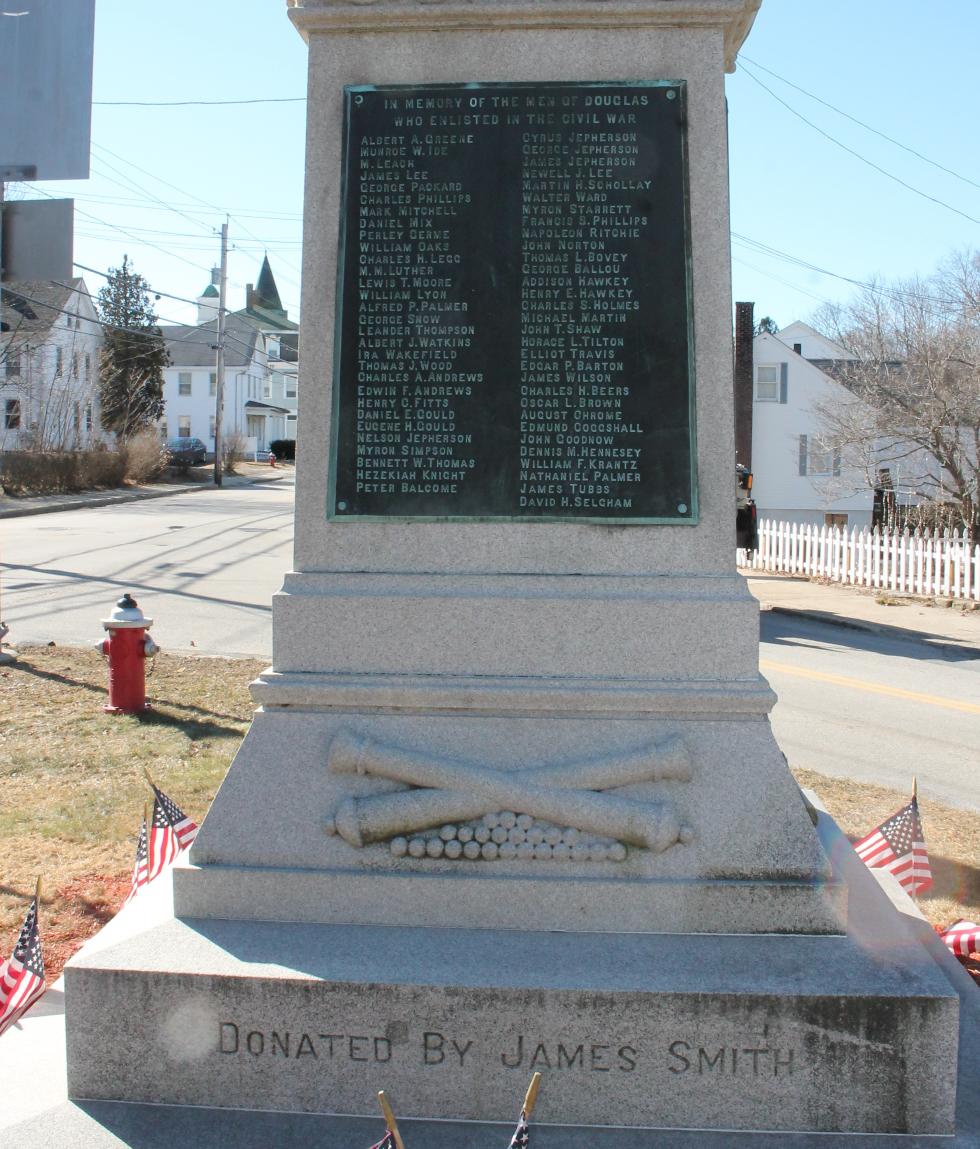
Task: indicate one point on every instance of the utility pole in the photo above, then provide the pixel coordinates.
(219, 388)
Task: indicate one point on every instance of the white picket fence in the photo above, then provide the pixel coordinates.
(945, 565)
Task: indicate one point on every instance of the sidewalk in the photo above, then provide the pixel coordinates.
(886, 613)
(13, 508)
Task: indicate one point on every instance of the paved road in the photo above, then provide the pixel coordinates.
(856, 705)
(205, 566)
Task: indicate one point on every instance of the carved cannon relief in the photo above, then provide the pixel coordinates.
(564, 811)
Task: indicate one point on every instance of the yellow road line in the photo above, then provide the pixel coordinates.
(870, 687)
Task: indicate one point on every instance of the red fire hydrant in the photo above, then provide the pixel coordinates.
(126, 650)
(272, 458)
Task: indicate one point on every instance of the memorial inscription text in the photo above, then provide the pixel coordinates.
(513, 321)
(433, 1049)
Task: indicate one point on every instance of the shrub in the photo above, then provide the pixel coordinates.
(146, 457)
(58, 472)
(283, 448)
(232, 451)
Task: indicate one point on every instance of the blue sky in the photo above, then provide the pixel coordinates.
(163, 177)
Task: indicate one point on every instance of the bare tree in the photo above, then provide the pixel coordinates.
(914, 374)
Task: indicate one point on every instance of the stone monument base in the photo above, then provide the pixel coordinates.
(730, 1032)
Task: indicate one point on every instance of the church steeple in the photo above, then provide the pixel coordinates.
(265, 295)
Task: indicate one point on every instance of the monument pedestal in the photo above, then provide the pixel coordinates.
(674, 1031)
(512, 801)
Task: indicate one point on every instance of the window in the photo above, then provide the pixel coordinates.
(163, 428)
(211, 426)
(12, 364)
(74, 365)
(59, 360)
(88, 368)
(77, 421)
(11, 414)
(817, 457)
(290, 390)
(213, 383)
(88, 416)
(266, 390)
(183, 383)
(273, 351)
(290, 418)
(184, 426)
(771, 382)
(834, 520)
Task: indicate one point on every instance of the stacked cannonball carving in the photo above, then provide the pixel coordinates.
(506, 836)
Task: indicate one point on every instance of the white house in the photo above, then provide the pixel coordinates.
(798, 475)
(50, 340)
(260, 370)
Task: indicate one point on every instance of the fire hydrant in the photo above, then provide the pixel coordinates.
(272, 458)
(126, 650)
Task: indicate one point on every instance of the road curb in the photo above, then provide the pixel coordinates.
(110, 498)
(883, 630)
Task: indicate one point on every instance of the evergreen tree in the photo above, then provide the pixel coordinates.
(133, 354)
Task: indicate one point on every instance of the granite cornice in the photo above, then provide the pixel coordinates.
(734, 17)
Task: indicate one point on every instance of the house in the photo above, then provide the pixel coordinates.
(261, 364)
(50, 340)
(798, 474)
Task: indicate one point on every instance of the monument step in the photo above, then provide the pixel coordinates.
(683, 1031)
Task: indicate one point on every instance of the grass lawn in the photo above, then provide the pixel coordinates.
(72, 789)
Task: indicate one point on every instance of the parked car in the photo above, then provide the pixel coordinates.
(186, 451)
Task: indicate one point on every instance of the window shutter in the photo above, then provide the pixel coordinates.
(783, 382)
(803, 454)
(837, 461)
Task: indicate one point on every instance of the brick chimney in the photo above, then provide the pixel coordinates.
(744, 332)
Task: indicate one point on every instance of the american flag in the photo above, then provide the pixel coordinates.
(963, 938)
(140, 867)
(386, 1142)
(898, 845)
(170, 832)
(22, 975)
(522, 1135)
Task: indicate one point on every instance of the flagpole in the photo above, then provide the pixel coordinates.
(390, 1119)
(915, 803)
(531, 1097)
(37, 891)
(146, 775)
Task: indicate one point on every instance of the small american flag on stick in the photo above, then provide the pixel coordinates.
(898, 845)
(386, 1142)
(522, 1134)
(22, 974)
(170, 831)
(963, 938)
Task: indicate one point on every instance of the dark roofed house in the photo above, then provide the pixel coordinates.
(261, 350)
(50, 341)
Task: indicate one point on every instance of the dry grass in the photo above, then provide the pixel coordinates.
(952, 839)
(71, 785)
(72, 792)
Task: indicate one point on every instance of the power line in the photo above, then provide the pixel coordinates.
(195, 103)
(860, 123)
(857, 155)
(138, 187)
(934, 305)
(167, 321)
(183, 191)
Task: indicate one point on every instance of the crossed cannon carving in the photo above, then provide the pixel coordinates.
(568, 794)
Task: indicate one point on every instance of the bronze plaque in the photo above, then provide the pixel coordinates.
(514, 321)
